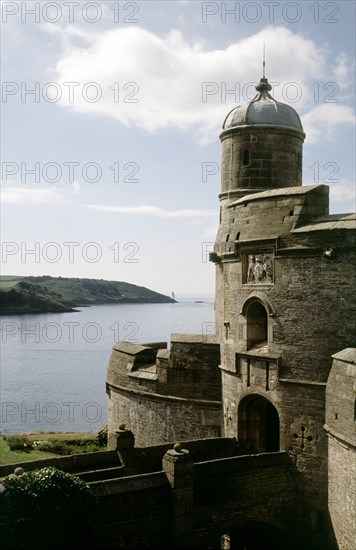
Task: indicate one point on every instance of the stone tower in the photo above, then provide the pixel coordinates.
(285, 310)
(284, 293)
(261, 146)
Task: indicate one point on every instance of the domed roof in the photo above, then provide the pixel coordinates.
(263, 109)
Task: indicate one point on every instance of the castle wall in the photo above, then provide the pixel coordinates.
(153, 510)
(341, 429)
(133, 512)
(274, 158)
(308, 301)
(157, 419)
(159, 394)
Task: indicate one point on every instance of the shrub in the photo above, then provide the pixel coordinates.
(55, 446)
(18, 442)
(43, 505)
(214, 257)
(88, 448)
(67, 447)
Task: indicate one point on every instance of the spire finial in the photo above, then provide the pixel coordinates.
(264, 86)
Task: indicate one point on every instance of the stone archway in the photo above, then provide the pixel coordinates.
(258, 425)
(258, 536)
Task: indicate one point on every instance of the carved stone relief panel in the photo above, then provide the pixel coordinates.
(259, 268)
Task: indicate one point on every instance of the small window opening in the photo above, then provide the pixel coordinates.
(246, 158)
(267, 376)
(256, 325)
(248, 372)
(237, 365)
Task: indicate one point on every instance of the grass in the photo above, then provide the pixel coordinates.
(7, 456)
(7, 282)
(85, 291)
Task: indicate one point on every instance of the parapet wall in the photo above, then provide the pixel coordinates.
(341, 430)
(192, 505)
(165, 395)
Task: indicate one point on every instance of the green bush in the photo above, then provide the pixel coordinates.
(18, 442)
(67, 447)
(45, 508)
(214, 257)
(88, 448)
(56, 447)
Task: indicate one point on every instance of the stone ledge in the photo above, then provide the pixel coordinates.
(347, 355)
(163, 397)
(349, 445)
(302, 382)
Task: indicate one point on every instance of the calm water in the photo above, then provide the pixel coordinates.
(53, 366)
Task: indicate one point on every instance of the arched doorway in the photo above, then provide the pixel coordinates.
(258, 536)
(258, 425)
(256, 325)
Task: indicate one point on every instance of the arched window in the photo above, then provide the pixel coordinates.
(246, 157)
(256, 325)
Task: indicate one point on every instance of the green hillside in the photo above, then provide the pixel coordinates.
(55, 294)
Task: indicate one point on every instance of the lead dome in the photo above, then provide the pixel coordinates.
(263, 110)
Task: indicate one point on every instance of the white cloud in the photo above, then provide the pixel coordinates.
(169, 75)
(25, 195)
(344, 191)
(342, 195)
(343, 70)
(76, 187)
(320, 123)
(154, 211)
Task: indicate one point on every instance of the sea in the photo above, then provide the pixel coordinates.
(53, 365)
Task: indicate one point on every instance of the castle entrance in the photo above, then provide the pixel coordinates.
(258, 425)
(256, 536)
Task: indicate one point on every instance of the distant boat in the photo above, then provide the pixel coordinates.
(199, 302)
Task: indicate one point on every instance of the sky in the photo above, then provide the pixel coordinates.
(111, 114)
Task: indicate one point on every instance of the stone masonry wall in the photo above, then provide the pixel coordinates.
(310, 315)
(341, 429)
(158, 419)
(165, 396)
(275, 158)
(190, 506)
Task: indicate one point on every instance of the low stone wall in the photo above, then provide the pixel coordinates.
(133, 512)
(71, 464)
(188, 505)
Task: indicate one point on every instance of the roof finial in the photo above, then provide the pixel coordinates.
(264, 86)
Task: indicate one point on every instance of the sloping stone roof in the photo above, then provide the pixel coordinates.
(325, 223)
(129, 349)
(274, 193)
(348, 355)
